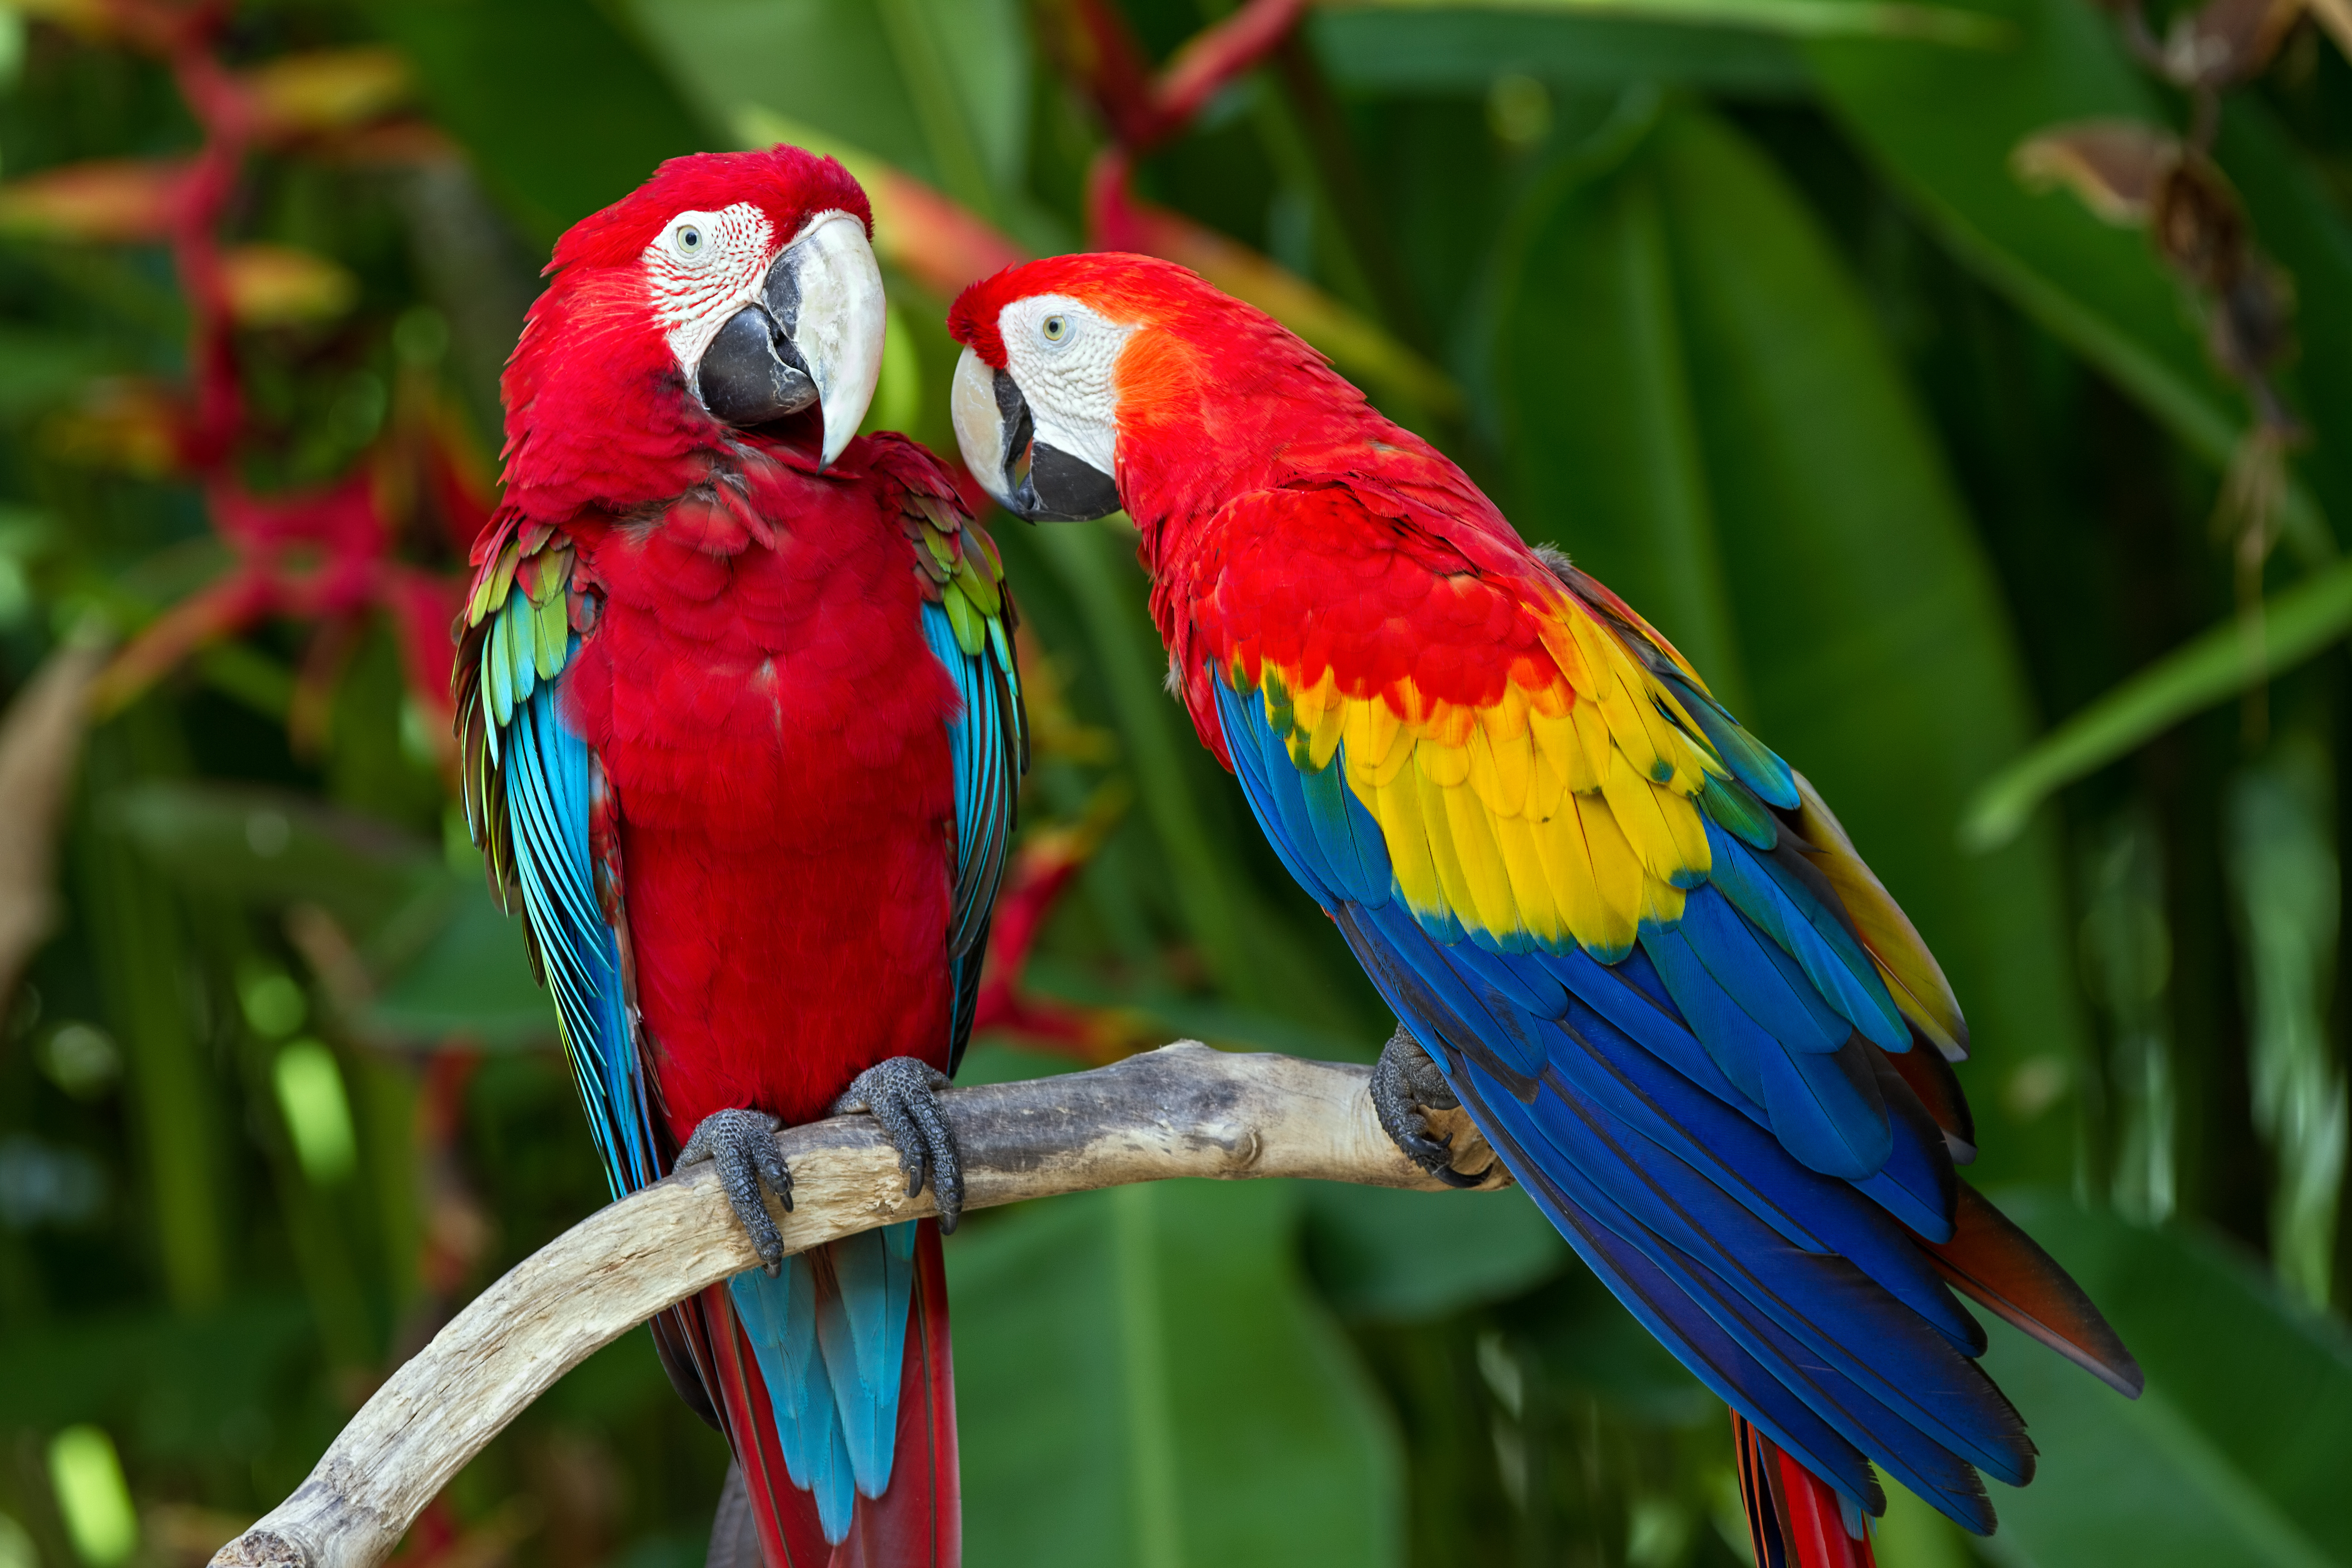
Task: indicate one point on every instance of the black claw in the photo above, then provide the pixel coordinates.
(1405, 1083)
(742, 1144)
(902, 1094)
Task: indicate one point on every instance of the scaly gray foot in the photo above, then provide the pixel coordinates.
(1405, 1084)
(902, 1094)
(742, 1144)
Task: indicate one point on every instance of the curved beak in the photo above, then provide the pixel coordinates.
(1028, 477)
(813, 336)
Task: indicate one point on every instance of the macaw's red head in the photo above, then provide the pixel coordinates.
(1089, 382)
(731, 290)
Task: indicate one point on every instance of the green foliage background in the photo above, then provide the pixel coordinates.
(1751, 316)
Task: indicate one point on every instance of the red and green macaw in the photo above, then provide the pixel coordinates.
(741, 737)
(1629, 939)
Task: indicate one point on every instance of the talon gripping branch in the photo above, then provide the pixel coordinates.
(742, 739)
(1636, 945)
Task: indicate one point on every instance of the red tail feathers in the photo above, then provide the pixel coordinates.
(917, 1522)
(2004, 1270)
(1795, 1519)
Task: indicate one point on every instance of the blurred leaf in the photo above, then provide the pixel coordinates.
(1944, 124)
(439, 960)
(278, 286)
(2305, 227)
(471, 982)
(1589, 1342)
(271, 847)
(105, 201)
(328, 89)
(40, 752)
(1607, 458)
(2287, 886)
(2236, 1452)
(1109, 596)
(1396, 49)
(2297, 221)
(833, 64)
(1381, 1255)
(2296, 623)
(180, 1385)
(1944, 24)
(1873, 636)
(38, 369)
(142, 964)
(561, 110)
(1142, 1381)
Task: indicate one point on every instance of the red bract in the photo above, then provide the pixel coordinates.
(328, 555)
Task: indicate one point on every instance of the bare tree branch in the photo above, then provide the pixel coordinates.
(1184, 1110)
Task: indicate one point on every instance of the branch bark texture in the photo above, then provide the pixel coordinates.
(1183, 1110)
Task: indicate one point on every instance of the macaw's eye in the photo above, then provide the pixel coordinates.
(1056, 327)
(690, 239)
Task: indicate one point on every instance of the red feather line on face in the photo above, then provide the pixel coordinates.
(598, 415)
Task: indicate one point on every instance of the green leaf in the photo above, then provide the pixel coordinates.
(1943, 25)
(471, 979)
(1381, 1255)
(2296, 624)
(271, 847)
(1609, 462)
(1858, 614)
(563, 111)
(445, 960)
(179, 1384)
(1943, 122)
(1394, 49)
(1108, 598)
(1143, 1382)
(841, 66)
(38, 369)
(2235, 1454)
(2303, 228)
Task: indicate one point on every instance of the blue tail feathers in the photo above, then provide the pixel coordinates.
(829, 1334)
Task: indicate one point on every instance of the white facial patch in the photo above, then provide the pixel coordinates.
(1065, 359)
(703, 268)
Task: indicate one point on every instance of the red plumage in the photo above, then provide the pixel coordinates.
(774, 729)
(774, 795)
(1542, 837)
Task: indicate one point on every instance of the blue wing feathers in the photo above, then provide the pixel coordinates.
(1599, 1177)
(1708, 1121)
(545, 768)
(1765, 891)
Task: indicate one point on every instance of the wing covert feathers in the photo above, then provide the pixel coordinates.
(969, 620)
(1684, 1012)
(537, 808)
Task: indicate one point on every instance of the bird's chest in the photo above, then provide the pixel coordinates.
(724, 680)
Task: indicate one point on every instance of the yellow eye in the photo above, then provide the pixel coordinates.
(1055, 329)
(690, 239)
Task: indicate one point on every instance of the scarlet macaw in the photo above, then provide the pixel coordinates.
(742, 738)
(1627, 938)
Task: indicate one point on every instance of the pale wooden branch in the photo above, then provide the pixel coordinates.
(1184, 1110)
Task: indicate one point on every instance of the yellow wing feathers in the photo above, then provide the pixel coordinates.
(1563, 812)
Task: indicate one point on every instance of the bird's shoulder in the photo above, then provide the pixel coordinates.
(957, 564)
